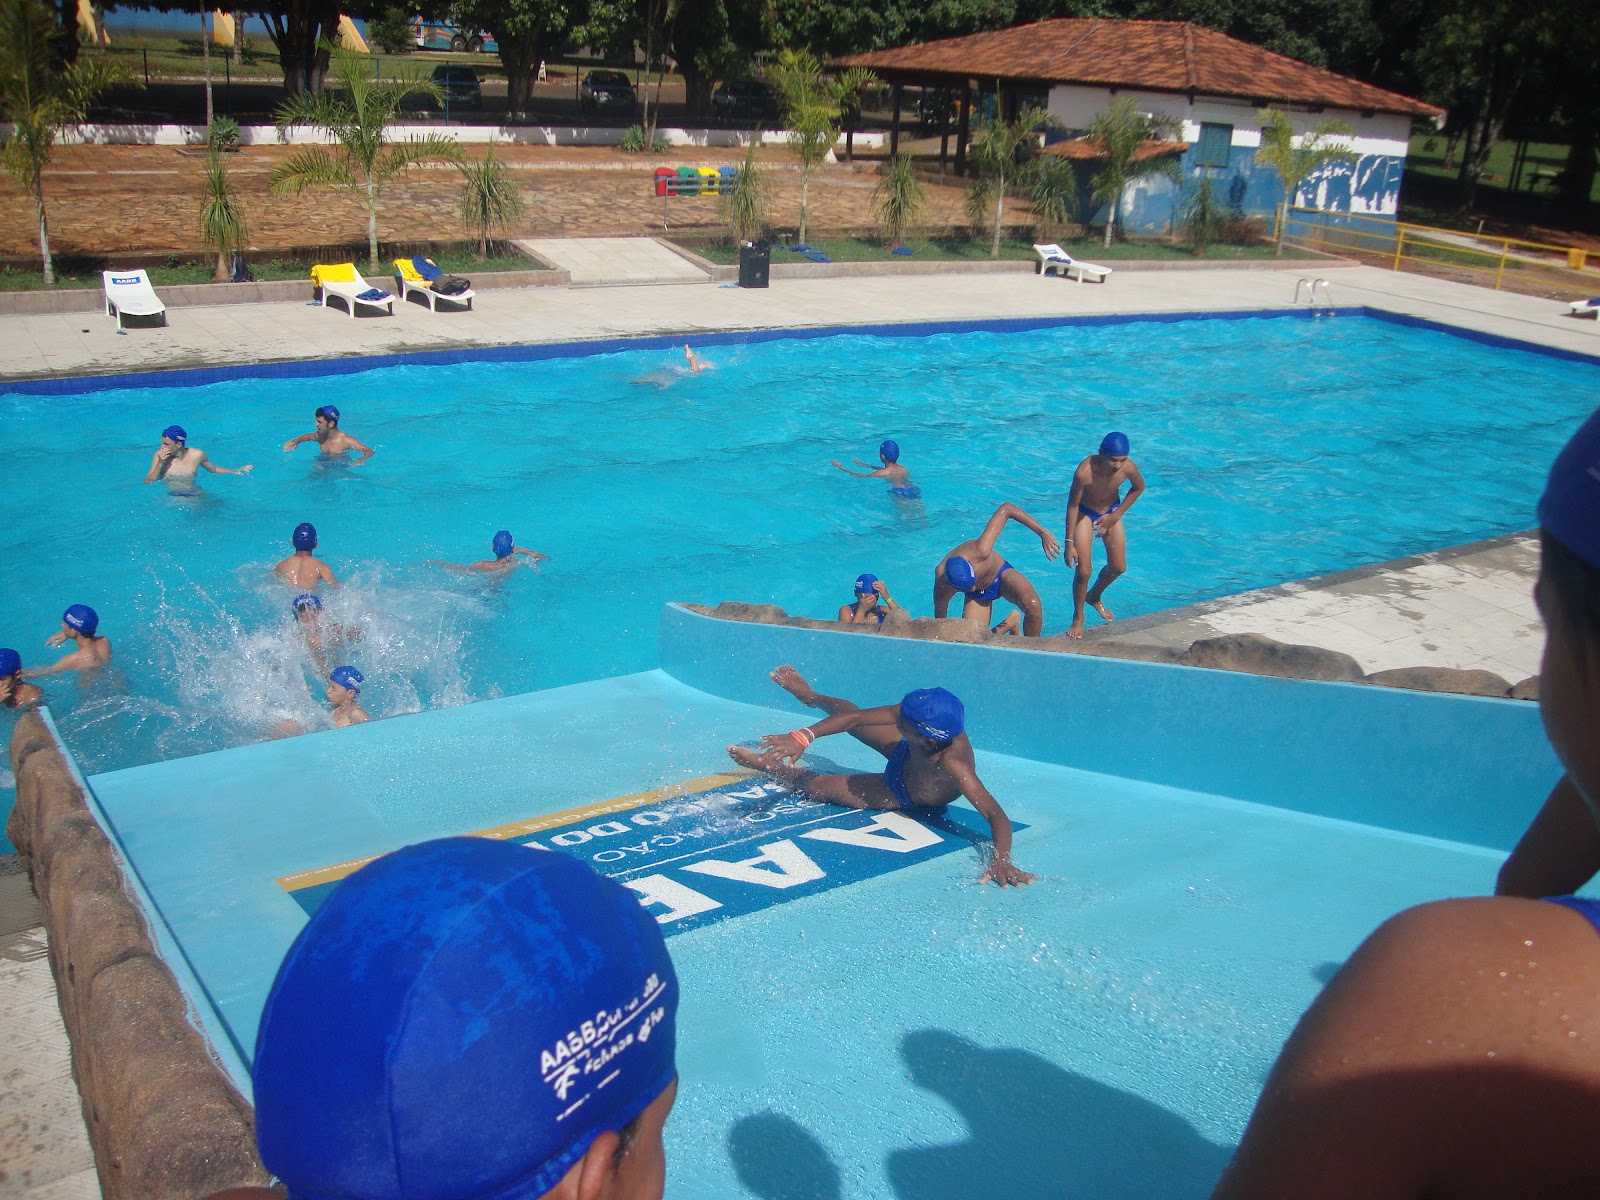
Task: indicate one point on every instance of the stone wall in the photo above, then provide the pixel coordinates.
(1251, 652)
(163, 1119)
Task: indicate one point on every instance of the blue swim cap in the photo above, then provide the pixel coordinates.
(934, 713)
(958, 574)
(461, 1019)
(503, 544)
(307, 600)
(1569, 510)
(175, 432)
(10, 661)
(82, 618)
(329, 413)
(889, 451)
(347, 677)
(864, 584)
(305, 536)
(1115, 445)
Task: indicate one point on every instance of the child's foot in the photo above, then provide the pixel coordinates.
(745, 757)
(790, 681)
(1099, 607)
(1075, 630)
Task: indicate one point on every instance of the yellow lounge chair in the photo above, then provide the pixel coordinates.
(345, 282)
(410, 280)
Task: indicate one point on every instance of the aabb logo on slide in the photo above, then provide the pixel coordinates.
(705, 853)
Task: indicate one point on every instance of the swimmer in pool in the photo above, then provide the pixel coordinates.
(302, 570)
(15, 691)
(79, 625)
(898, 477)
(330, 438)
(975, 570)
(696, 363)
(930, 761)
(866, 610)
(175, 459)
(344, 692)
(1095, 509)
(318, 637)
(505, 556)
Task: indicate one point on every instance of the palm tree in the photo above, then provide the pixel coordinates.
(994, 157)
(813, 109)
(357, 109)
(489, 199)
(744, 205)
(38, 99)
(222, 222)
(1052, 186)
(1293, 163)
(898, 198)
(1121, 130)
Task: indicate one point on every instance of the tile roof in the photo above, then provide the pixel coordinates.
(1088, 149)
(1163, 56)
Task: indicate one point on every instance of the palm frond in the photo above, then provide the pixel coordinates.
(314, 166)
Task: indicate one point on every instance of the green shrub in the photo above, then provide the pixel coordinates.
(224, 134)
(391, 32)
(633, 140)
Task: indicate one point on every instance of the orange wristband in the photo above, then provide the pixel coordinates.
(804, 736)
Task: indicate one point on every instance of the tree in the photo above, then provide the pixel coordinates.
(711, 40)
(222, 222)
(898, 198)
(39, 99)
(489, 199)
(357, 112)
(390, 32)
(996, 157)
(744, 206)
(530, 31)
(814, 109)
(1121, 131)
(1052, 185)
(301, 32)
(1293, 163)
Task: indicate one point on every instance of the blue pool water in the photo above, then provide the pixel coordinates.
(1274, 449)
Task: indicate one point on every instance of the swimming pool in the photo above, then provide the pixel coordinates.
(1275, 447)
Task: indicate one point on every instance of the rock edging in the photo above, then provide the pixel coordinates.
(163, 1118)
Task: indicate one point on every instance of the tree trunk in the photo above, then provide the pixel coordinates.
(64, 48)
(237, 50)
(696, 89)
(49, 267)
(805, 180)
(205, 55)
(999, 216)
(295, 33)
(223, 274)
(1111, 215)
(520, 55)
(1283, 224)
(1577, 179)
(372, 224)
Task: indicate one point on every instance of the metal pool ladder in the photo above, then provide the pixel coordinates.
(1311, 286)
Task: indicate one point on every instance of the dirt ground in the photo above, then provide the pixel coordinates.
(146, 199)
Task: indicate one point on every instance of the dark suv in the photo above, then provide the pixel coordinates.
(607, 91)
(460, 85)
(745, 98)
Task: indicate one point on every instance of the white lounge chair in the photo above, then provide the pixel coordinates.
(412, 280)
(1053, 258)
(1584, 308)
(345, 282)
(129, 294)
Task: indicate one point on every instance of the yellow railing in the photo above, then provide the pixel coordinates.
(1401, 242)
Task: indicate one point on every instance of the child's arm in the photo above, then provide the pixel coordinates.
(295, 441)
(857, 474)
(325, 574)
(1001, 869)
(157, 461)
(1010, 512)
(216, 470)
(366, 450)
(533, 554)
(1134, 492)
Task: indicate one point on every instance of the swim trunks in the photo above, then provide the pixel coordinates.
(1095, 516)
(991, 593)
(894, 777)
(909, 492)
(1588, 908)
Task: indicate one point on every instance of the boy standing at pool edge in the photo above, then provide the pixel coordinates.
(1095, 508)
(930, 761)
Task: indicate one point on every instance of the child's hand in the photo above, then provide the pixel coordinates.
(1051, 549)
(55, 639)
(1002, 871)
(781, 747)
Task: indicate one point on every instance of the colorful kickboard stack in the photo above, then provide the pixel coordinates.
(694, 181)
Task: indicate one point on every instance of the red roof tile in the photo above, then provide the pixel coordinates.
(1088, 149)
(1163, 56)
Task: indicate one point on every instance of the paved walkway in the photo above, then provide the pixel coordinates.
(615, 260)
(1469, 607)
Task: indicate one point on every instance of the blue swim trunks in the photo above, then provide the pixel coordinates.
(1095, 516)
(991, 593)
(909, 492)
(1579, 904)
(894, 777)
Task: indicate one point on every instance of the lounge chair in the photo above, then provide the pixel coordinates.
(417, 275)
(345, 282)
(1585, 308)
(1054, 258)
(129, 294)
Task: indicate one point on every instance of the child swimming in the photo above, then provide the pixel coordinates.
(330, 438)
(15, 692)
(505, 550)
(79, 625)
(302, 569)
(176, 460)
(899, 478)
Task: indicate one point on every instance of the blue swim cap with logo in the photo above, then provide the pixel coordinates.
(1114, 445)
(934, 713)
(10, 661)
(329, 413)
(504, 544)
(958, 574)
(304, 536)
(1569, 510)
(175, 433)
(461, 1019)
(889, 451)
(307, 601)
(82, 618)
(865, 584)
(347, 677)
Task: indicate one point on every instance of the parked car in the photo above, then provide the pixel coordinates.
(745, 98)
(607, 91)
(460, 84)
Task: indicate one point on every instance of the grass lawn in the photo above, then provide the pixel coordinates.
(175, 56)
(969, 250)
(1543, 160)
(456, 262)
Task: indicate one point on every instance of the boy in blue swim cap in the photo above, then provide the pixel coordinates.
(80, 625)
(175, 459)
(929, 764)
(473, 1020)
(1095, 508)
(506, 552)
(1456, 1054)
(330, 438)
(899, 478)
(975, 570)
(866, 610)
(303, 570)
(15, 692)
(344, 694)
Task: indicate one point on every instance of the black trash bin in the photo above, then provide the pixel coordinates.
(755, 263)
